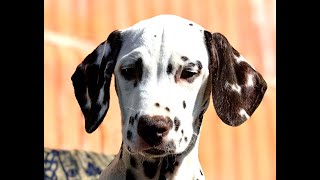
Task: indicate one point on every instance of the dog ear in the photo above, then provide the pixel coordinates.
(91, 81)
(237, 89)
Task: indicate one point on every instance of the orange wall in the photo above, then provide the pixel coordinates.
(72, 29)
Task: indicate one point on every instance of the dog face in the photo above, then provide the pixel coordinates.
(161, 77)
(165, 69)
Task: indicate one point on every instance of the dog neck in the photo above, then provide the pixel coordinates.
(134, 166)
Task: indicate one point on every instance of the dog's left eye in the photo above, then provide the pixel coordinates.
(187, 74)
(128, 73)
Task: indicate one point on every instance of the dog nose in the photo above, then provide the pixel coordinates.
(152, 129)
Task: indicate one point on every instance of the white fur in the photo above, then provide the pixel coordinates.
(249, 80)
(234, 87)
(243, 113)
(240, 59)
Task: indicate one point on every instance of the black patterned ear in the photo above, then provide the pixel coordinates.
(91, 81)
(237, 89)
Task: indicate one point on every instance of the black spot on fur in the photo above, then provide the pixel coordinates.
(136, 116)
(176, 123)
(197, 123)
(167, 109)
(150, 168)
(184, 104)
(176, 163)
(201, 114)
(235, 52)
(168, 165)
(129, 135)
(131, 120)
(201, 30)
(129, 175)
(162, 177)
(205, 103)
(171, 146)
(182, 131)
(191, 143)
(157, 104)
(201, 172)
(199, 64)
(129, 149)
(121, 149)
(185, 139)
(184, 58)
(169, 68)
(133, 162)
(191, 64)
(190, 24)
(180, 140)
(155, 35)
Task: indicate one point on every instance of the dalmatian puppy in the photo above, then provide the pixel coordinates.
(165, 69)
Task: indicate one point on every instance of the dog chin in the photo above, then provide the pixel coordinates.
(147, 151)
(155, 152)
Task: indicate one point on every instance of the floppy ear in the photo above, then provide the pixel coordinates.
(237, 89)
(91, 81)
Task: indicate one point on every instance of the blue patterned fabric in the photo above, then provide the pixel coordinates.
(74, 164)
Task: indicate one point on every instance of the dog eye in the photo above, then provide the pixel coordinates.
(128, 73)
(186, 74)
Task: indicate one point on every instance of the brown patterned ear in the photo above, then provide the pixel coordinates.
(91, 81)
(237, 89)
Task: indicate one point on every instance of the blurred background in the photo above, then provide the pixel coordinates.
(73, 28)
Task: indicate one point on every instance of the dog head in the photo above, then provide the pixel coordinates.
(165, 69)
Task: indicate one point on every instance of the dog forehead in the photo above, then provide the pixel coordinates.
(165, 34)
(168, 21)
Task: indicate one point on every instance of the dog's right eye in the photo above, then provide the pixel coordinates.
(187, 74)
(128, 73)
